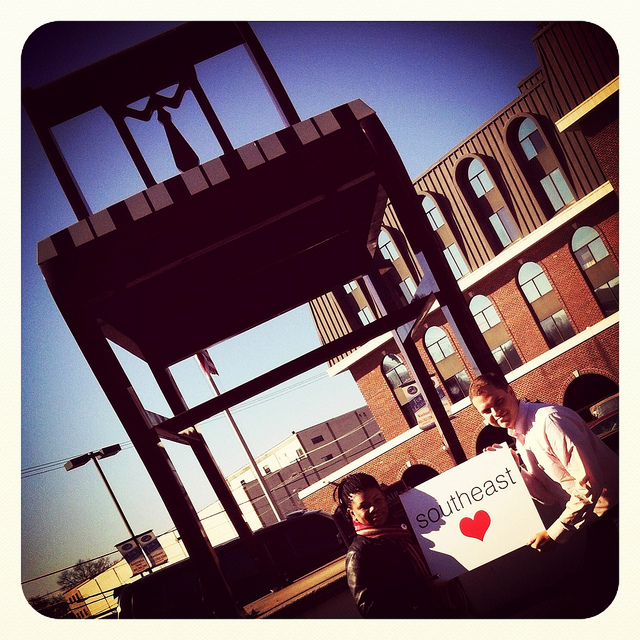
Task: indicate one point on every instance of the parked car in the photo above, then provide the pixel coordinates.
(605, 425)
(605, 406)
(606, 428)
(304, 541)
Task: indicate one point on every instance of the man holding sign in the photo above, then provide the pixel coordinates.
(563, 463)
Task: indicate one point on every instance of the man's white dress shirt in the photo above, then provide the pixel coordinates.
(565, 463)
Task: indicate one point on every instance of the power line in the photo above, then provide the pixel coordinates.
(45, 467)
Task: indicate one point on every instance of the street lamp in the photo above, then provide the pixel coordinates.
(105, 452)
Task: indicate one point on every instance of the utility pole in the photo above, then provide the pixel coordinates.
(209, 370)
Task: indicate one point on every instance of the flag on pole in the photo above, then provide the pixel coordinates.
(206, 363)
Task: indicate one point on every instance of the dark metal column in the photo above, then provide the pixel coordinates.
(422, 239)
(422, 376)
(203, 454)
(119, 391)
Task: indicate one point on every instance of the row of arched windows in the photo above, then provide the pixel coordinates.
(542, 170)
(600, 271)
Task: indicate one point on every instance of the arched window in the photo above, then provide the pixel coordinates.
(495, 334)
(404, 389)
(387, 248)
(538, 291)
(433, 212)
(542, 165)
(530, 139)
(479, 178)
(447, 362)
(491, 206)
(438, 344)
(395, 371)
(598, 266)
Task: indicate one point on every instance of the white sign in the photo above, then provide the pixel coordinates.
(472, 513)
(152, 548)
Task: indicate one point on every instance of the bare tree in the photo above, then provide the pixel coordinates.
(52, 605)
(81, 571)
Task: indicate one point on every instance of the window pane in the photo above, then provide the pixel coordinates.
(475, 168)
(433, 213)
(614, 287)
(387, 248)
(584, 257)
(530, 291)
(408, 289)
(457, 274)
(528, 271)
(433, 334)
(509, 224)
(435, 353)
(552, 193)
(528, 148)
(607, 299)
(459, 262)
(486, 181)
(563, 324)
(561, 186)
(598, 249)
(492, 316)
(458, 386)
(501, 232)
(512, 355)
(446, 346)
(501, 360)
(453, 387)
(542, 284)
(478, 304)
(483, 325)
(551, 331)
(477, 187)
(365, 315)
(526, 128)
(478, 178)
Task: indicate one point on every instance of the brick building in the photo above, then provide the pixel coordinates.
(526, 213)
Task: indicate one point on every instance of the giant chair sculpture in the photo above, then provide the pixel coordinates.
(222, 247)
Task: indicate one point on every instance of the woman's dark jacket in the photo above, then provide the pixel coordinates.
(385, 582)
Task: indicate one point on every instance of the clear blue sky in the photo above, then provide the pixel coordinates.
(432, 84)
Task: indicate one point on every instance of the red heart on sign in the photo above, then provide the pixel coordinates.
(476, 527)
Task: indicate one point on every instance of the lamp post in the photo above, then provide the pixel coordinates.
(105, 452)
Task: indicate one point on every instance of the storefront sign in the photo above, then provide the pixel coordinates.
(472, 514)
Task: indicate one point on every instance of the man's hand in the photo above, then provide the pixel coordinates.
(496, 447)
(542, 542)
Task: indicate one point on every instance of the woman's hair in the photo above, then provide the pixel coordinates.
(482, 382)
(350, 485)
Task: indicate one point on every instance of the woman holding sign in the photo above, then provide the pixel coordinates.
(386, 571)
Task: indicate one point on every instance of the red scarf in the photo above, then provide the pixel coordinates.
(402, 535)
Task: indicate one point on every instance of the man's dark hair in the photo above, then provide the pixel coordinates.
(479, 385)
(350, 485)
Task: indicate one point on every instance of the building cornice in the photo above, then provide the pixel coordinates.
(570, 120)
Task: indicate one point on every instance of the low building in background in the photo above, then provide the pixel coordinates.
(290, 466)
